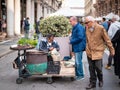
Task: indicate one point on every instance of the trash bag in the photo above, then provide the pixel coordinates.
(16, 63)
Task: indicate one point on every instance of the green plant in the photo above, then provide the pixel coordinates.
(57, 25)
(25, 41)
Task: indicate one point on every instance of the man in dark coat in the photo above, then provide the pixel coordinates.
(26, 27)
(116, 42)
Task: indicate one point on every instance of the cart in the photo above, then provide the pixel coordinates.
(35, 63)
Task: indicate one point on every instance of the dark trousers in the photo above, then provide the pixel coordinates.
(95, 69)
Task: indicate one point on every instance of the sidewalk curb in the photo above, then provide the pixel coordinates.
(8, 52)
(5, 41)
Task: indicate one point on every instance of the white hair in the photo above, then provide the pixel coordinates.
(90, 18)
(116, 17)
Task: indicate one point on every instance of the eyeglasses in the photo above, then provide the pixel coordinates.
(87, 22)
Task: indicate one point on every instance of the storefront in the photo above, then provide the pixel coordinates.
(14, 11)
(2, 12)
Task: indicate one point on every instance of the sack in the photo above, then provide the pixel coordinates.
(37, 46)
(70, 63)
(55, 55)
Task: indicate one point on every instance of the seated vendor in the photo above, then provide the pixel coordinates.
(49, 44)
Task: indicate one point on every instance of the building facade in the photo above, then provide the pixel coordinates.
(89, 9)
(13, 11)
(104, 7)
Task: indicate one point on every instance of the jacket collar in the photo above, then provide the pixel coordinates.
(75, 26)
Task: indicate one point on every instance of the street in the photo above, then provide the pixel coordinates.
(33, 18)
(9, 75)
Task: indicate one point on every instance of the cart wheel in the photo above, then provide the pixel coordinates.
(49, 80)
(72, 78)
(19, 80)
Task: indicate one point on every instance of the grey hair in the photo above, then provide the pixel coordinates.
(90, 18)
(74, 18)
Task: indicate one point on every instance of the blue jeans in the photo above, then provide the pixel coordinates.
(78, 64)
(26, 33)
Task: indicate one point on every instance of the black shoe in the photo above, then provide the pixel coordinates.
(119, 83)
(113, 64)
(100, 83)
(90, 86)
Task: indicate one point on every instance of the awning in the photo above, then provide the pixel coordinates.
(66, 11)
(110, 15)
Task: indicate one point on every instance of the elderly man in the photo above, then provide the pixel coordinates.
(96, 37)
(78, 42)
(114, 26)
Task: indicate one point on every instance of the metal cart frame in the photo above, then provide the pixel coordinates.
(24, 73)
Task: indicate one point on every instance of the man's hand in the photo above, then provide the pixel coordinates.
(51, 48)
(112, 53)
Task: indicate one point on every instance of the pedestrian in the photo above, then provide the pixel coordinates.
(116, 41)
(37, 27)
(115, 25)
(108, 66)
(105, 24)
(114, 33)
(4, 25)
(22, 25)
(26, 27)
(78, 42)
(96, 37)
(109, 23)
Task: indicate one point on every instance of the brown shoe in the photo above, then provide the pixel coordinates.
(107, 67)
(100, 83)
(90, 86)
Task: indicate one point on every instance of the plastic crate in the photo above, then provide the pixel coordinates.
(53, 67)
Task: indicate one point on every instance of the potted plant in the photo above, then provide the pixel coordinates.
(57, 25)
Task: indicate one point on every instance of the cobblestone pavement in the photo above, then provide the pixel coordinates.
(5, 46)
(9, 75)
